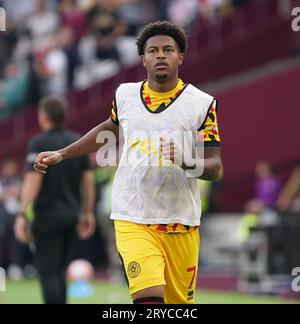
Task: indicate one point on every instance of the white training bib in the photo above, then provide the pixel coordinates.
(144, 191)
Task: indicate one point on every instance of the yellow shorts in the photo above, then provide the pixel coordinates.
(152, 258)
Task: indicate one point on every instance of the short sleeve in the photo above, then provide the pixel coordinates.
(114, 112)
(210, 130)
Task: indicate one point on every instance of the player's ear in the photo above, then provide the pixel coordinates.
(181, 58)
(143, 60)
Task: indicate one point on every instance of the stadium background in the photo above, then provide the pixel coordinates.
(244, 52)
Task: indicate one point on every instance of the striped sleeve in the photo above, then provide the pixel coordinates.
(114, 112)
(209, 131)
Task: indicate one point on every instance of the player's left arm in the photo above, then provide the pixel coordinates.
(212, 163)
(209, 133)
(213, 169)
(209, 136)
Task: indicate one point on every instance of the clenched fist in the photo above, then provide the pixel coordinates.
(45, 159)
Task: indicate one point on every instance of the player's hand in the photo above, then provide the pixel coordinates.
(87, 226)
(45, 159)
(168, 150)
(174, 153)
(21, 229)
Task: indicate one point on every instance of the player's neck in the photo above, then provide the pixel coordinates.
(163, 87)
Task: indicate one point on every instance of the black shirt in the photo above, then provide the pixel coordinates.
(61, 187)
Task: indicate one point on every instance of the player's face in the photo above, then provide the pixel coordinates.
(162, 58)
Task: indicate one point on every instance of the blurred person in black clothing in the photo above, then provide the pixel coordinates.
(56, 201)
(105, 23)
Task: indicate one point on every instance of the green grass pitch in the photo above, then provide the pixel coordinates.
(27, 292)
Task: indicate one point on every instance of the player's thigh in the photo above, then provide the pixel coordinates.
(141, 256)
(182, 254)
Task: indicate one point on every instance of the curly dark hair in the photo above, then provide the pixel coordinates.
(162, 28)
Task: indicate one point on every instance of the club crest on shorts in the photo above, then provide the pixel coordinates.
(133, 269)
(190, 295)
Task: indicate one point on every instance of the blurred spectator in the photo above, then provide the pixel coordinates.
(23, 49)
(8, 43)
(183, 13)
(67, 42)
(73, 17)
(267, 185)
(56, 201)
(106, 26)
(253, 211)
(261, 209)
(10, 183)
(256, 215)
(289, 199)
(50, 39)
(131, 13)
(12, 90)
(42, 24)
(52, 66)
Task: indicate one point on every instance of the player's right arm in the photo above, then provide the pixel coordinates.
(85, 145)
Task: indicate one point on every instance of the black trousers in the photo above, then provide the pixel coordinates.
(53, 236)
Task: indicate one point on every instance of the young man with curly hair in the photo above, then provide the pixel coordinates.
(156, 207)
